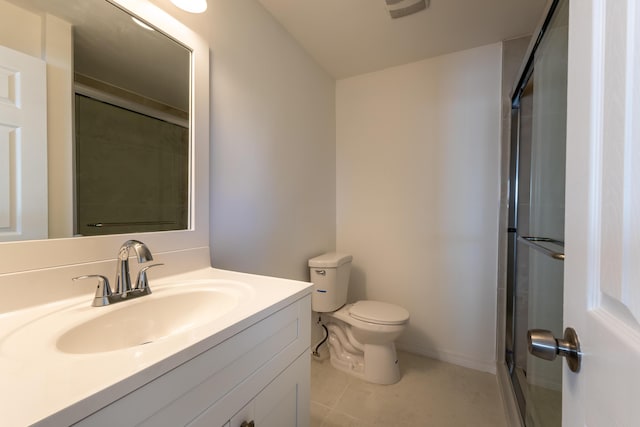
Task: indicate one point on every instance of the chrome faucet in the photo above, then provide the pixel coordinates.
(123, 277)
(123, 291)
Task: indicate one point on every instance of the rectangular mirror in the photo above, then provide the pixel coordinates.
(50, 48)
(110, 153)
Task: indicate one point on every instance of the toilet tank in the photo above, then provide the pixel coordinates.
(330, 277)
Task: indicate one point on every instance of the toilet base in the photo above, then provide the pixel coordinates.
(380, 364)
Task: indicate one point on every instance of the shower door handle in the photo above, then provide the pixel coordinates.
(544, 345)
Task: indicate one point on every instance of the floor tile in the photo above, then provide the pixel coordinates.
(318, 414)
(339, 419)
(430, 393)
(327, 384)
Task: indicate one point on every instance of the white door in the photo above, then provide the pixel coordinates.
(602, 266)
(23, 146)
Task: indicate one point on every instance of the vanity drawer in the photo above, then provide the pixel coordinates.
(244, 364)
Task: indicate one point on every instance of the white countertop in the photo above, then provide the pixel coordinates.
(41, 384)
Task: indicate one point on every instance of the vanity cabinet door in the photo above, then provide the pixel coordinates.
(244, 417)
(282, 403)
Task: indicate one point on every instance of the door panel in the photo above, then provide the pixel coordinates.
(23, 147)
(602, 285)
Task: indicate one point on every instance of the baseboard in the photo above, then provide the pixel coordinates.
(449, 357)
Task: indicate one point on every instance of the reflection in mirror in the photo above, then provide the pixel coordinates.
(117, 138)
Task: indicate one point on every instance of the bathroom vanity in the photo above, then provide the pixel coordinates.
(250, 363)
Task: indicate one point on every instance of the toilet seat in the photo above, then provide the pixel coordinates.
(380, 313)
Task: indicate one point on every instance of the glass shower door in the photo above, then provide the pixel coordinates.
(537, 221)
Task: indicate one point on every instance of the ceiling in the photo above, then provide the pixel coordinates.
(346, 37)
(351, 37)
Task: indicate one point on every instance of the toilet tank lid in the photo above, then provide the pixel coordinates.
(331, 259)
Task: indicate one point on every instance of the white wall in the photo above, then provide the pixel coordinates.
(418, 156)
(273, 143)
(417, 175)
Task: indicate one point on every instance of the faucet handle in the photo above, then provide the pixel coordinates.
(142, 282)
(103, 290)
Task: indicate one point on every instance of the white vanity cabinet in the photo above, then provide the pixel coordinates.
(284, 402)
(260, 374)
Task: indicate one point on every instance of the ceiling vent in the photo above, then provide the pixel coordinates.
(400, 8)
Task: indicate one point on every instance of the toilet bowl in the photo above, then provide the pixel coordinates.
(362, 339)
(361, 335)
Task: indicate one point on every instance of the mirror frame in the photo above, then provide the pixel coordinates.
(37, 254)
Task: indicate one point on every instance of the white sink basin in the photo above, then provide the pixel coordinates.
(172, 310)
(146, 320)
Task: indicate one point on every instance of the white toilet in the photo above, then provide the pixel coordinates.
(362, 334)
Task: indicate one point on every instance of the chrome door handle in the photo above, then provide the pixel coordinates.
(544, 345)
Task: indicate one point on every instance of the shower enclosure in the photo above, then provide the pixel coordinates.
(536, 219)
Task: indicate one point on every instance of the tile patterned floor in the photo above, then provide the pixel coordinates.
(431, 393)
